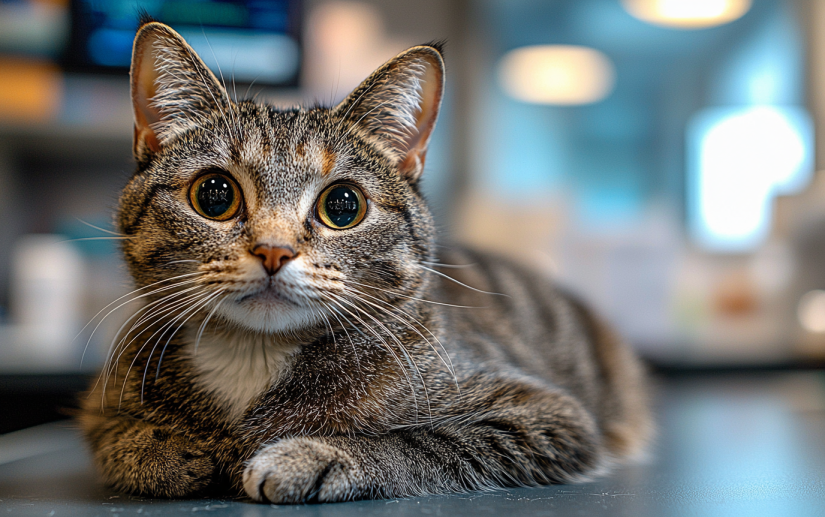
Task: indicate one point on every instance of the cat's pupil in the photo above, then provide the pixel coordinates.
(342, 206)
(215, 196)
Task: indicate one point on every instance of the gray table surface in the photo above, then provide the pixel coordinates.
(728, 445)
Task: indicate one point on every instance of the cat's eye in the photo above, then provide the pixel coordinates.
(215, 196)
(341, 206)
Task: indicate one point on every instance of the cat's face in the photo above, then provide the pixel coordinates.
(276, 219)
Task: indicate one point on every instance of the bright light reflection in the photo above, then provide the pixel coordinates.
(811, 311)
(742, 158)
(687, 14)
(556, 74)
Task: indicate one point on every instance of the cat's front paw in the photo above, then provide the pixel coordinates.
(154, 461)
(299, 470)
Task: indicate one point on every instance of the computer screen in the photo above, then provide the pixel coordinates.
(245, 41)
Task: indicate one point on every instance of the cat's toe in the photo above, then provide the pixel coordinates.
(300, 470)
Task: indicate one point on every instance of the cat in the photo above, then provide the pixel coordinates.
(303, 337)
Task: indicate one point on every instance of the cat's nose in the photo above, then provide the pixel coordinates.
(273, 257)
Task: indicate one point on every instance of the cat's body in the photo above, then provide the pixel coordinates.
(311, 347)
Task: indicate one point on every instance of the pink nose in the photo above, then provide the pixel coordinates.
(273, 257)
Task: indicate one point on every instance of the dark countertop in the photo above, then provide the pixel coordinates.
(729, 444)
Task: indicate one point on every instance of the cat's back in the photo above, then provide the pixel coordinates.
(511, 314)
(503, 316)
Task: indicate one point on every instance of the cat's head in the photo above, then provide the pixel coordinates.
(272, 217)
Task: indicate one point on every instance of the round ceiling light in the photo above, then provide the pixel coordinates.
(556, 74)
(687, 14)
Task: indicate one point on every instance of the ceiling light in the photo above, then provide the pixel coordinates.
(687, 14)
(556, 74)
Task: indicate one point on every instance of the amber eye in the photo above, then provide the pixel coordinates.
(341, 207)
(215, 196)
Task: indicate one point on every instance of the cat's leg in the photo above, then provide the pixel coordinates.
(509, 434)
(142, 458)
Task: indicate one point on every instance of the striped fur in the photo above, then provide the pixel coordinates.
(365, 367)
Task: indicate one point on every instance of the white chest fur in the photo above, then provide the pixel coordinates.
(237, 367)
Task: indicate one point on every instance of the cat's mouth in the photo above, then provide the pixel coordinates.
(270, 306)
(270, 292)
(267, 295)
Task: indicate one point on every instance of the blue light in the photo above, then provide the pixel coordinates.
(740, 158)
(245, 55)
(111, 47)
(767, 67)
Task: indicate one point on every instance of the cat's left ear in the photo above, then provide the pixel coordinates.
(172, 88)
(397, 106)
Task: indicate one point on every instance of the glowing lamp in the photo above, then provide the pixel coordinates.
(687, 14)
(556, 74)
(811, 311)
(739, 159)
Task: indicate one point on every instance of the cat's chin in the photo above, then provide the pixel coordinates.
(267, 312)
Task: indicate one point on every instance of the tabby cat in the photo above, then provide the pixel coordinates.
(303, 338)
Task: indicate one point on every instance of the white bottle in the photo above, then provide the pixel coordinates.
(46, 299)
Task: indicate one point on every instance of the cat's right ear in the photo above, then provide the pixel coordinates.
(172, 88)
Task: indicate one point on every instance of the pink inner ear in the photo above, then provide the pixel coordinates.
(428, 111)
(143, 90)
(431, 91)
(171, 87)
(145, 85)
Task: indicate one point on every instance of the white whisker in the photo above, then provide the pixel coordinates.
(354, 351)
(162, 306)
(162, 329)
(96, 239)
(400, 345)
(337, 300)
(396, 293)
(198, 306)
(408, 324)
(104, 230)
(202, 327)
(134, 292)
(439, 273)
(449, 266)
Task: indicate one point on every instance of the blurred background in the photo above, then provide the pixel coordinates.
(658, 157)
